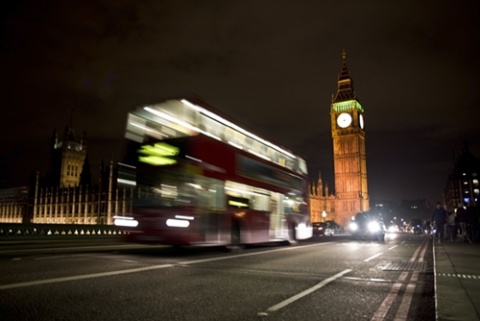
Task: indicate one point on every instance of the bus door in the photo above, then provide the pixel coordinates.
(278, 228)
(211, 209)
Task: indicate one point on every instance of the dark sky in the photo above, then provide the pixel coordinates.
(272, 65)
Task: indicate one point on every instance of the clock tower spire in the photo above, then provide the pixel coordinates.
(344, 83)
(349, 154)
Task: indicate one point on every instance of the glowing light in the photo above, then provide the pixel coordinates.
(184, 217)
(177, 223)
(373, 226)
(237, 204)
(160, 149)
(347, 106)
(126, 181)
(157, 160)
(125, 221)
(158, 154)
(392, 229)
(303, 231)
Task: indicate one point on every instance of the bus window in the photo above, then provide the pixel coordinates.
(294, 204)
(211, 193)
(258, 198)
(238, 202)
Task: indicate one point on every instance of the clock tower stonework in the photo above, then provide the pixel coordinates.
(349, 154)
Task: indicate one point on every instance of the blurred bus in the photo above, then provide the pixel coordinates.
(204, 180)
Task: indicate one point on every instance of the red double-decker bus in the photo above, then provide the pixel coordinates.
(203, 180)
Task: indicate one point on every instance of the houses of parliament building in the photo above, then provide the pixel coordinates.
(66, 194)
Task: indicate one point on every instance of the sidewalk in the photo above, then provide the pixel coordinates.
(457, 280)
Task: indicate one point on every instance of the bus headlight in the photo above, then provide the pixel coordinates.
(125, 221)
(173, 222)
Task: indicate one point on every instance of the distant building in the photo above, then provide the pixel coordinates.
(463, 182)
(417, 208)
(322, 202)
(83, 204)
(67, 157)
(66, 195)
(14, 204)
(349, 156)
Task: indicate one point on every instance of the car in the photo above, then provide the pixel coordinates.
(367, 225)
(416, 226)
(322, 229)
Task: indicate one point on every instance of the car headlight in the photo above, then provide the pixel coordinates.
(373, 226)
(353, 226)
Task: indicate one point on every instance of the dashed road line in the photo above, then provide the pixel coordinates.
(460, 276)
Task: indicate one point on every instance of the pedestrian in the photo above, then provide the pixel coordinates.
(451, 226)
(471, 221)
(439, 218)
(462, 221)
(476, 224)
(427, 227)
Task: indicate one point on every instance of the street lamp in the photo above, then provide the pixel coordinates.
(324, 215)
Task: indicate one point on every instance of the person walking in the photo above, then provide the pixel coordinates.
(462, 221)
(452, 226)
(471, 221)
(439, 218)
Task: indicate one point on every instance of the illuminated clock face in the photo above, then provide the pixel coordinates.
(361, 121)
(344, 120)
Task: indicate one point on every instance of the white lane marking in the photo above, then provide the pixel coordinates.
(387, 303)
(435, 294)
(53, 257)
(300, 295)
(82, 277)
(402, 312)
(372, 257)
(140, 269)
(382, 311)
(391, 248)
(77, 248)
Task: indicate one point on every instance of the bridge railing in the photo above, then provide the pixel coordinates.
(17, 231)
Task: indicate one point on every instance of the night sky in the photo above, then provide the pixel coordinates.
(271, 65)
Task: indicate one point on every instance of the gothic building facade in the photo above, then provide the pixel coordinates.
(67, 158)
(66, 194)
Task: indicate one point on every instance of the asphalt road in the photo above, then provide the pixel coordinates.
(326, 278)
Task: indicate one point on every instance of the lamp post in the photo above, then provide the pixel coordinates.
(324, 215)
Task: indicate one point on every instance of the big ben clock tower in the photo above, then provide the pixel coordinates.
(349, 155)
